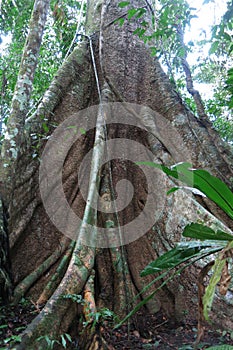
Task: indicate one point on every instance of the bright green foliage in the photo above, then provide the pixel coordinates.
(101, 315)
(201, 232)
(222, 48)
(65, 339)
(208, 241)
(178, 255)
(76, 298)
(216, 190)
(217, 66)
(97, 317)
(14, 23)
(202, 180)
(229, 86)
(166, 18)
(123, 4)
(64, 16)
(169, 19)
(14, 18)
(58, 35)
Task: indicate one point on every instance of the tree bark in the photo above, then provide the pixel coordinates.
(24, 85)
(168, 132)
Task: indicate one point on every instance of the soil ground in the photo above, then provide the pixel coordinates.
(152, 332)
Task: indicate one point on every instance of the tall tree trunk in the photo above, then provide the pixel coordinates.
(110, 66)
(13, 146)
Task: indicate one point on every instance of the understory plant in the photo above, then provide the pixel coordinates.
(205, 242)
(63, 342)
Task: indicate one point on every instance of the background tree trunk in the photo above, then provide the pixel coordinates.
(126, 73)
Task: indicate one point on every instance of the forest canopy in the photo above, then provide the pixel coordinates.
(210, 51)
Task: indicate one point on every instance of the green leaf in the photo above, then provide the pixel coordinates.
(82, 131)
(193, 190)
(164, 16)
(63, 341)
(214, 47)
(68, 336)
(132, 13)
(121, 21)
(231, 48)
(211, 186)
(166, 170)
(203, 232)
(230, 105)
(140, 12)
(153, 51)
(141, 32)
(172, 190)
(227, 37)
(3, 326)
(13, 338)
(144, 24)
(137, 31)
(180, 171)
(173, 258)
(123, 4)
(214, 189)
(164, 280)
(181, 52)
(45, 127)
(136, 308)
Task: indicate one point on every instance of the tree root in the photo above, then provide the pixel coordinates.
(58, 311)
(57, 277)
(89, 308)
(92, 339)
(28, 281)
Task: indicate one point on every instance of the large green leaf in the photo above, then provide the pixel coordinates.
(203, 232)
(178, 255)
(131, 13)
(214, 189)
(165, 169)
(165, 277)
(211, 186)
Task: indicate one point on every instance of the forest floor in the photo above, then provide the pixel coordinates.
(152, 332)
(157, 332)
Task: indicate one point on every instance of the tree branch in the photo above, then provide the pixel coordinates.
(189, 80)
(23, 89)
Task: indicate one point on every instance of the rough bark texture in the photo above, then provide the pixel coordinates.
(125, 66)
(5, 265)
(23, 89)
